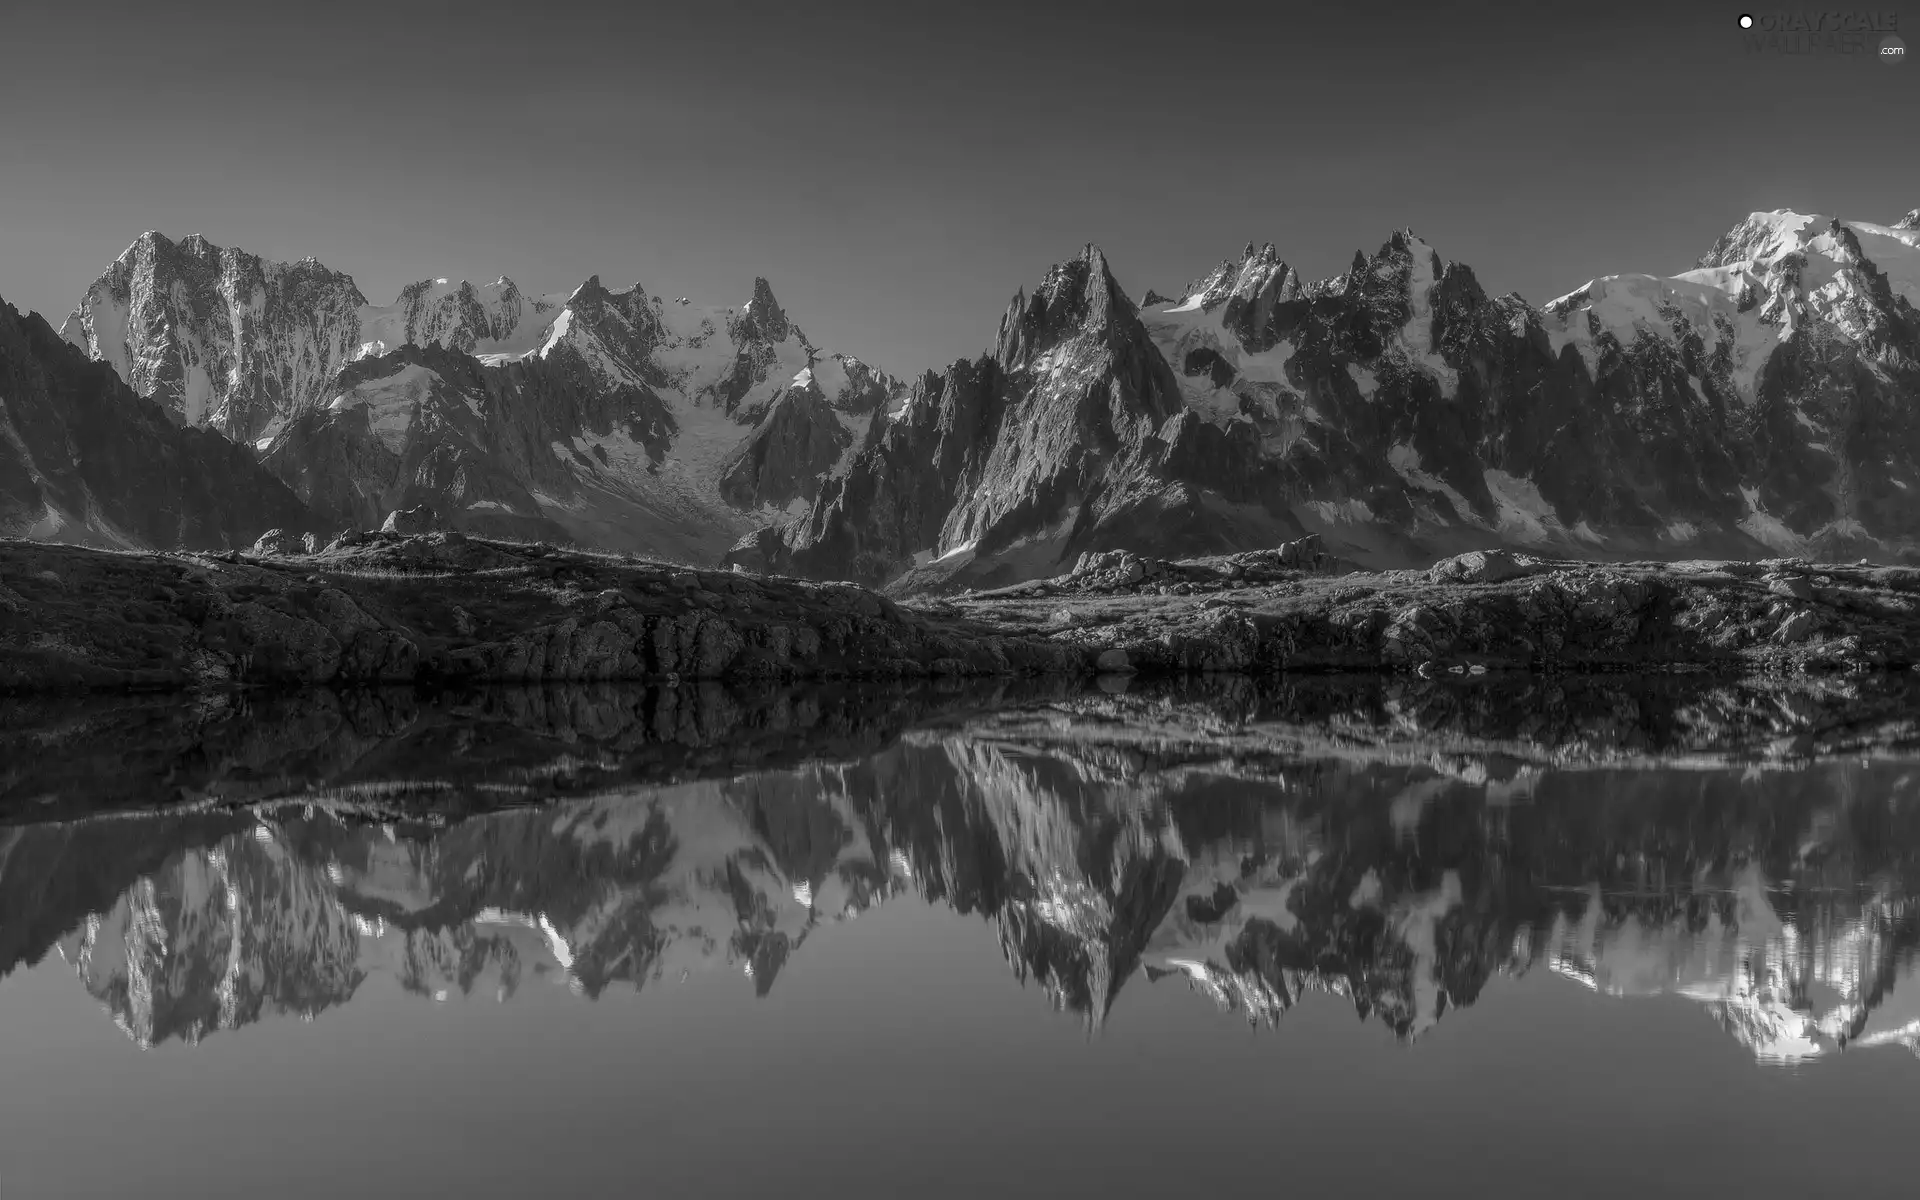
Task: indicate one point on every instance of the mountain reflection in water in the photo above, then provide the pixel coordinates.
(1779, 898)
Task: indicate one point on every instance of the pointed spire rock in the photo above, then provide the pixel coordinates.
(763, 312)
(1078, 296)
(1008, 343)
(1102, 290)
(589, 292)
(1910, 221)
(1359, 263)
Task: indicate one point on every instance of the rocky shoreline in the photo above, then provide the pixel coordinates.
(442, 608)
(402, 752)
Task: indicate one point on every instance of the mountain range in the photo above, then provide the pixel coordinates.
(1758, 404)
(611, 418)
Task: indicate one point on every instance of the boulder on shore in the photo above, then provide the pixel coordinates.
(1481, 566)
(419, 519)
(280, 543)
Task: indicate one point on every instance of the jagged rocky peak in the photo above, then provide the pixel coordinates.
(763, 319)
(1400, 276)
(1910, 221)
(1258, 281)
(848, 383)
(1079, 296)
(1264, 283)
(1252, 299)
(217, 336)
(591, 300)
(807, 432)
(460, 315)
(1210, 283)
(195, 259)
(1408, 245)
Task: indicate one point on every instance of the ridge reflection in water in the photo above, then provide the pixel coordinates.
(1780, 903)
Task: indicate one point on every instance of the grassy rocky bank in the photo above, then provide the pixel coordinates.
(441, 608)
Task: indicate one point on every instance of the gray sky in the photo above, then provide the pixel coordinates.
(896, 169)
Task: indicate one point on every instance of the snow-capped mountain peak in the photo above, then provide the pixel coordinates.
(1766, 237)
(485, 319)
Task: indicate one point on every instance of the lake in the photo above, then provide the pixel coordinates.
(955, 943)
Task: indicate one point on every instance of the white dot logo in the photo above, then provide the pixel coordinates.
(1746, 21)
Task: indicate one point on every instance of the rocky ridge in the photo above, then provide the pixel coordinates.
(394, 608)
(442, 607)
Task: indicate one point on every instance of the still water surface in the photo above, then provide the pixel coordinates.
(960, 964)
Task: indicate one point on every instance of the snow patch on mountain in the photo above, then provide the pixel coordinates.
(1705, 303)
(1405, 460)
(1352, 511)
(1766, 528)
(1524, 515)
(489, 321)
(1415, 338)
(1415, 922)
(1190, 336)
